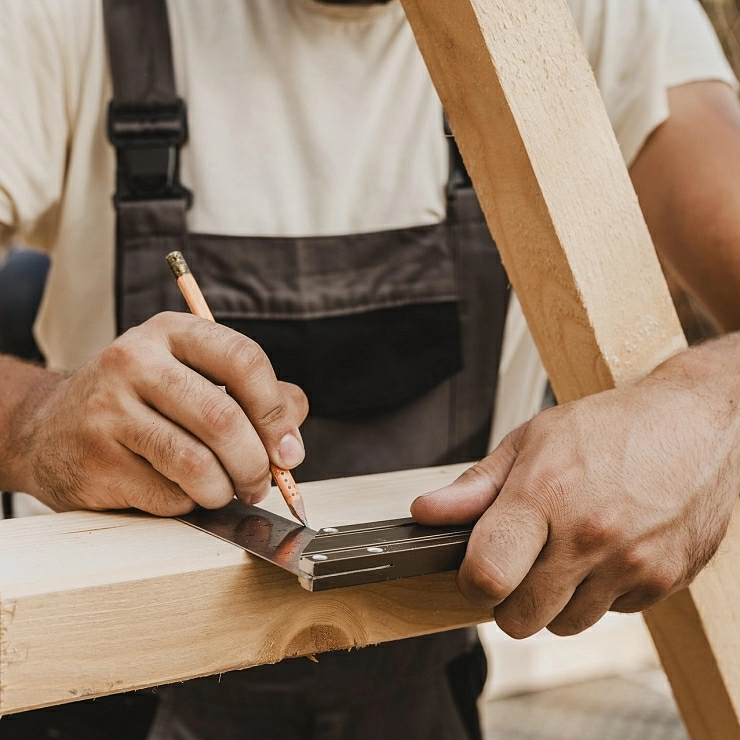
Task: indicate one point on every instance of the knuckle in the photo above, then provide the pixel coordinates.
(163, 321)
(193, 462)
(656, 587)
(246, 355)
(297, 400)
(477, 475)
(157, 444)
(162, 500)
(221, 415)
(634, 563)
(120, 356)
(271, 416)
(176, 383)
(597, 531)
(144, 437)
(488, 579)
(580, 614)
(179, 507)
(548, 491)
(553, 487)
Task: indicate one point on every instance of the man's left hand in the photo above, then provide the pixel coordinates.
(609, 503)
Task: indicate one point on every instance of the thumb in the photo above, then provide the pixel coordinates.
(465, 500)
(297, 401)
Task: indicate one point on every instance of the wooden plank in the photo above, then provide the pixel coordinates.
(697, 633)
(525, 109)
(93, 604)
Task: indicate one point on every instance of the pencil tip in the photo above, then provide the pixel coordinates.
(300, 512)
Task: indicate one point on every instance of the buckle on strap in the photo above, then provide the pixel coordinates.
(148, 142)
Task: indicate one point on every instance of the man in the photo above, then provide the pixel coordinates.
(310, 121)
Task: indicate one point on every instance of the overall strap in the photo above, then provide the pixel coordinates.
(458, 176)
(140, 53)
(147, 125)
(480, 273)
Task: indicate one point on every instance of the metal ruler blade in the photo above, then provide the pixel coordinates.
(336, 556)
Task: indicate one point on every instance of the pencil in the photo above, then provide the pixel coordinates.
(198, 306)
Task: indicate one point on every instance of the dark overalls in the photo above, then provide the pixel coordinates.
(394, 336)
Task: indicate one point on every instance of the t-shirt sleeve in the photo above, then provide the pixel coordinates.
(34, 120)
(639, 49)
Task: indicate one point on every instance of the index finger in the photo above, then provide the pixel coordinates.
(503, 547)
(466, 499)
(233, 360)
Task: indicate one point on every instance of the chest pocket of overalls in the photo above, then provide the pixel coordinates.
(363, 323)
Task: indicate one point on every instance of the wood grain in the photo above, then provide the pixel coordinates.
(92, 604)
(525, 110)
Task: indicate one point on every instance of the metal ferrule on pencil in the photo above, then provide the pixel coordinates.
(177, 264)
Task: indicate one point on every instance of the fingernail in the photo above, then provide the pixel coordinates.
(291, 451)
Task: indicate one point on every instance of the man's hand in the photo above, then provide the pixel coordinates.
(616, 501)
(609, 503)
(144, 424)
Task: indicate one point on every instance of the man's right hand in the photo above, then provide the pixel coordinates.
(144, 424)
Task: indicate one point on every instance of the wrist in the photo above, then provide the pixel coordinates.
(703, 385)
(710, 371)
(27, 389)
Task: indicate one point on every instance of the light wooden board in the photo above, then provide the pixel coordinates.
(526, 112)
(92, 604)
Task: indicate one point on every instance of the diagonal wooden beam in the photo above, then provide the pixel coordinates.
(526, 112)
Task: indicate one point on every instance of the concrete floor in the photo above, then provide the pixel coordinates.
(633, 707)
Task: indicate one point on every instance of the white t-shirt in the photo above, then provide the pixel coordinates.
(305, 119)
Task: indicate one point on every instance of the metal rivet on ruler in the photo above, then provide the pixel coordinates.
(330, 530)
(375, 549)
(319, 557)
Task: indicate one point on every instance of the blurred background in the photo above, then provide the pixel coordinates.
(725, 15)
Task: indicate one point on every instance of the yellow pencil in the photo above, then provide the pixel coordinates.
(198, 306)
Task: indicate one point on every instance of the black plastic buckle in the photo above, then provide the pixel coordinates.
(147, 142)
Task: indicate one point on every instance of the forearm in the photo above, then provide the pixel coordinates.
(22, 387)
(687, 178)
(709, 374)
